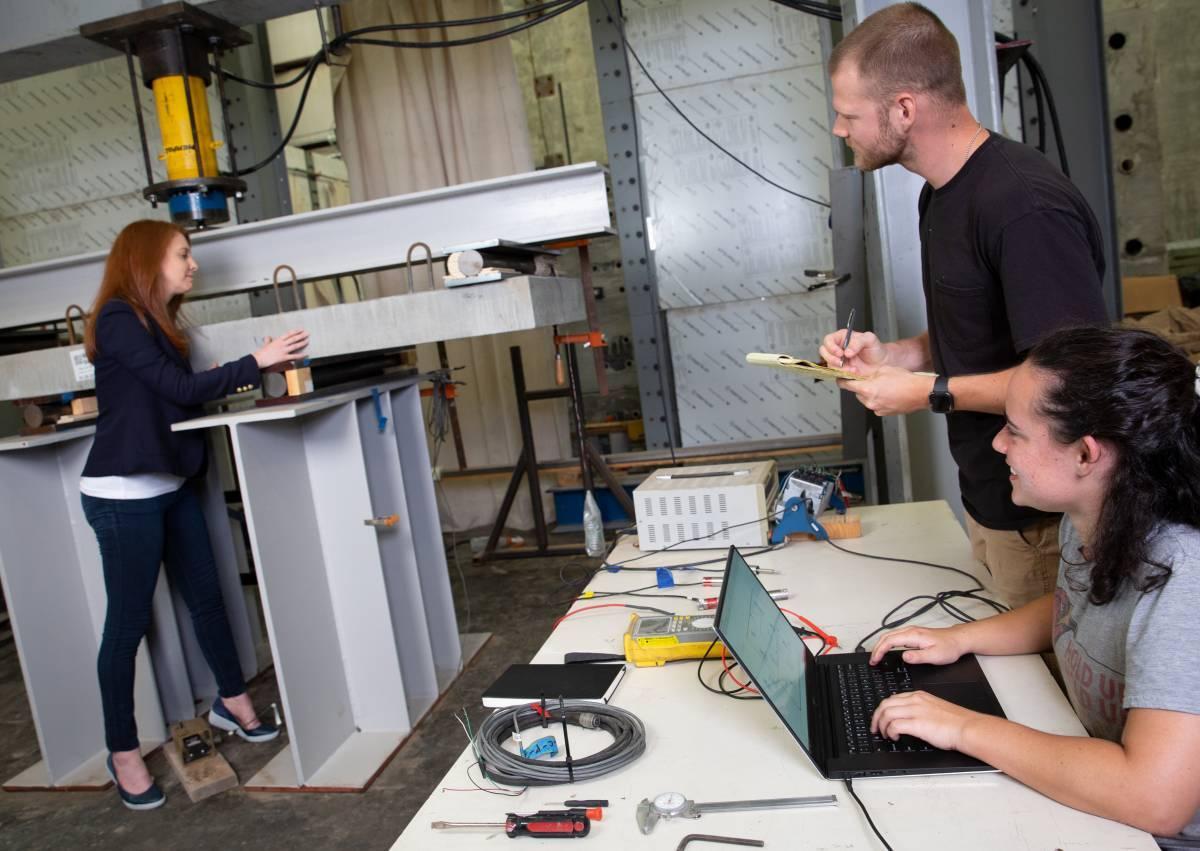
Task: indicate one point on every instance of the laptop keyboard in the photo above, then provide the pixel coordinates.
(862, 688)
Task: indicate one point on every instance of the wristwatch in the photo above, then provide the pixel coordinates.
(941, 400)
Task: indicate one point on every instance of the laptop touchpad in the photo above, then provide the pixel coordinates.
(965, 670)
(967, 695)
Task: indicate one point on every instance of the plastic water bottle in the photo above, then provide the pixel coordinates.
(593, 527)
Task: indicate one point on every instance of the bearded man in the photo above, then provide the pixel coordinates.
(1010, 251)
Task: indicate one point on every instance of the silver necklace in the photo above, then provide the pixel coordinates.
(971, 145)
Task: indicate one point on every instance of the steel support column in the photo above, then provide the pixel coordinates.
(650, 346)
(1068, 42)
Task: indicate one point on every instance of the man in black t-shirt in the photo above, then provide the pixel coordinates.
(1009, 252)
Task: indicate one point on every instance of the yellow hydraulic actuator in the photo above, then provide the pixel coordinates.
(175, 124)
(173, 43)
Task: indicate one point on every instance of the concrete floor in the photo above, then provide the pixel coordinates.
(516, 601)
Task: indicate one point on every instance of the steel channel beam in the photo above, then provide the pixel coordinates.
(556, 204)
(518, 304)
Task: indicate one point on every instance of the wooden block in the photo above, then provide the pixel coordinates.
(299, 381)
(84, 405)
(838, 526)
(1150, 293)
(204, 777)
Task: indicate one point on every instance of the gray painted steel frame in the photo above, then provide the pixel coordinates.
(650, 345)
(1068, 42)
(54, 586)
(360, 618)
(41, 37)
(255, 127)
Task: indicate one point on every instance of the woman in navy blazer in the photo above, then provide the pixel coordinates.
(138, 483)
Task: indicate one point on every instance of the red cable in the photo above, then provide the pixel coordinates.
(830, 640)
(587, 609)
(737, 682)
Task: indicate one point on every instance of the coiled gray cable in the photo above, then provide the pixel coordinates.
(503, 766)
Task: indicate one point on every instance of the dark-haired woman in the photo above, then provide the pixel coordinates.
(1103, 426)
(138, 483)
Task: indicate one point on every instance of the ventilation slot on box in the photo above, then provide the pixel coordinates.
(721, 504)
(724, 530)
(679, 529)
(708, 503)
(650, 536)
(648, 503)
(691, 505)
(662, 505)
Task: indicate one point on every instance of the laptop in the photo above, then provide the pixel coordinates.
(826, 702)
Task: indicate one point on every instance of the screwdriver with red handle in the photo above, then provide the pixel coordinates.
(544, 824)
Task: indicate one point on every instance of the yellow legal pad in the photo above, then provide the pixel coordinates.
(804, 367)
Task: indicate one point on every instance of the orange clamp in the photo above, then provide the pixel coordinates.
(592, 339)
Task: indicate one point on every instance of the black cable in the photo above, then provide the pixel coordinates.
(691, 565)
(941, 599)
(349, 38)
(620, 22)
(772, 516)
(314, 62)
(340, 40)
(866, 815)
(935, 600)
(458, 22)
(1040, 86)
(1035, 69)
(905, 561)
(1040, 105)
(725, 670)
(287, 137)
(820, 10)
(719, 691)
(315, 59)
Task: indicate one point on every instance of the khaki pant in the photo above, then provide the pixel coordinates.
(1023, 565)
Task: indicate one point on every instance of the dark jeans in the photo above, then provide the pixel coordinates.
(136, 536)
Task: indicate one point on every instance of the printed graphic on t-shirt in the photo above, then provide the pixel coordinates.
(1096, 690)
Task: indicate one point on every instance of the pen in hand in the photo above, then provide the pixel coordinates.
(846, 342)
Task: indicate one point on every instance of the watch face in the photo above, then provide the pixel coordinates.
(670, 802)
(941, 403)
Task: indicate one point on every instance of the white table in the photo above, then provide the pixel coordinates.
(712, 748)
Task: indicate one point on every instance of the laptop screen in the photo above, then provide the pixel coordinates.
(764, 643)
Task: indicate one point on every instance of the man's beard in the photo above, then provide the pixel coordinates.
(887, 150)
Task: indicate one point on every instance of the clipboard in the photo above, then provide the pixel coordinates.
(803, 367)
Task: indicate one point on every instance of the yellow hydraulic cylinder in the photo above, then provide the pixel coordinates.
(179, 149)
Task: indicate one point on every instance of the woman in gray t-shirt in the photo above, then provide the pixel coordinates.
(1103, 425)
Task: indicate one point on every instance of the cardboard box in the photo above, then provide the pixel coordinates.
(1150, 293)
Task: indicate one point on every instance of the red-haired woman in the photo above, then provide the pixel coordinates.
(136, 485)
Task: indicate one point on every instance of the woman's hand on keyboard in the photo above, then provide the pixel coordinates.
(920, 714)
(926, 646)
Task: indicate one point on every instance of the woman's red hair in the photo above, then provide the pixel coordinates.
(131, 274)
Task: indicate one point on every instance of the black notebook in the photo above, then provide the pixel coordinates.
(529, 683)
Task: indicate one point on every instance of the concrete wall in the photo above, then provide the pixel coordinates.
(1154, 104)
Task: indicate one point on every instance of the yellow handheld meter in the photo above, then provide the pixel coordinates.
(658, 639)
